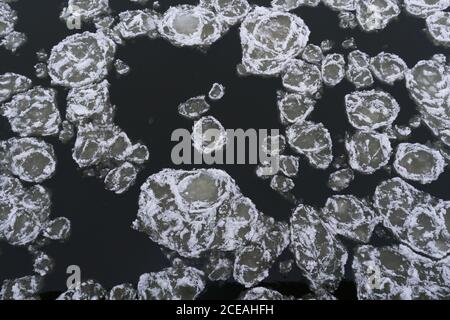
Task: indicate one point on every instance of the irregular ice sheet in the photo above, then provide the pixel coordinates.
(375, 15)
(11, 84)
(423, 8)
(388, 67)
(438, 26)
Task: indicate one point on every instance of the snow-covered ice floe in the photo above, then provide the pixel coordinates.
(374, 15)
(424, 8)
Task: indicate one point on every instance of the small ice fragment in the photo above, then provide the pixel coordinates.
(67, 132)
(347, 20)
(424, 8)
(285, 266)
(349, 44)
(358, 71)
(42, 263)
(417, 162)
(289, 165)
(208, 135)
(312, 140)
(260, 293)
(194, 107)
(326, 45)
(341, 179)
(121, 67)
(282, 184)
(312, 54)
(368, 151)
(217, 92)
(120, 179)
(438, 27)
(229, 11)
(333, 69)
(58, 229)
(136, 23)
(40, 69)
(87, 290)
(302, 77)
(124, 291)
(294, 107)
(25, 288)
(13, 41)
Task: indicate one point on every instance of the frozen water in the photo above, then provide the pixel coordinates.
(194, 107)
(30, 159)
(340, 5)
(120, 179)
(124, 291)
(219, 266)
(86, 10)
(347, 20)
(438, 26)
(368, 151)
(11, 84)
(41, 71)
(333, 69)
(341, 179)
(294, 107)
(187, 25)
(81, 59)
(417, 162)
(270, 38)
(8, 19)
(418, 219)
(312, 140)
(281, 183)
(216, 92)
(423, 8)
(175, 283)
(312, 54)
(373, 15)
(25, 288)
(302, 77)
(350, 217)
(136, 23)
(317, 252)
(33, 113)
(388, 67)
(371, 110)
(229, 11)
(121, 67)
(42, 264)
(13, 41)
(208, 135)
(260, 293)
(57, 229)
(399, 273)
(358, 71)
(87, 290)
(289, 165)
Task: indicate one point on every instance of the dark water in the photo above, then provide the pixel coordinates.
(102, 242)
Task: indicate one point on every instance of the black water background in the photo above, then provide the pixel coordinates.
(102, 242)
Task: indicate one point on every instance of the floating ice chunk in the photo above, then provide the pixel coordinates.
(81, 59)
(340, 5)
(347, 20)
(8, 19)
(349, 43)
(254, 260)
(25, 288)
(289, 165)
(121, 67)
(282, 184)
(294, 107)
(217, 92)
(417, 162)
(30, 159)
(194, 107)
(136, 23)
(333, 69)
(42, 264)
(288, 5)
(424, 8)
(358, 71)
(175, 283)
(273, 145)
(67, 132)
(208, 135)
(260, 293)
(219, 266)
(285, 266)
(326, 45)
(86, 10)
(397, 272)
(33, 113)
(11, 84)
(230, 11)
(373, 15)
(124, 291)
(23, 211)
(371, 110)
(388, 67)
(428, 84)
(40, 70)
(312, 54)
(13, 41)
(57, 229)
(120, 179)
(270, 39)
(187, 25)
(415, 217)
(302, 77)
(341, 179)
(317, 252)
(350, 217)
(88, 290)
(312, 140)
(438, 26)
(368, 151)
(90, 104)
